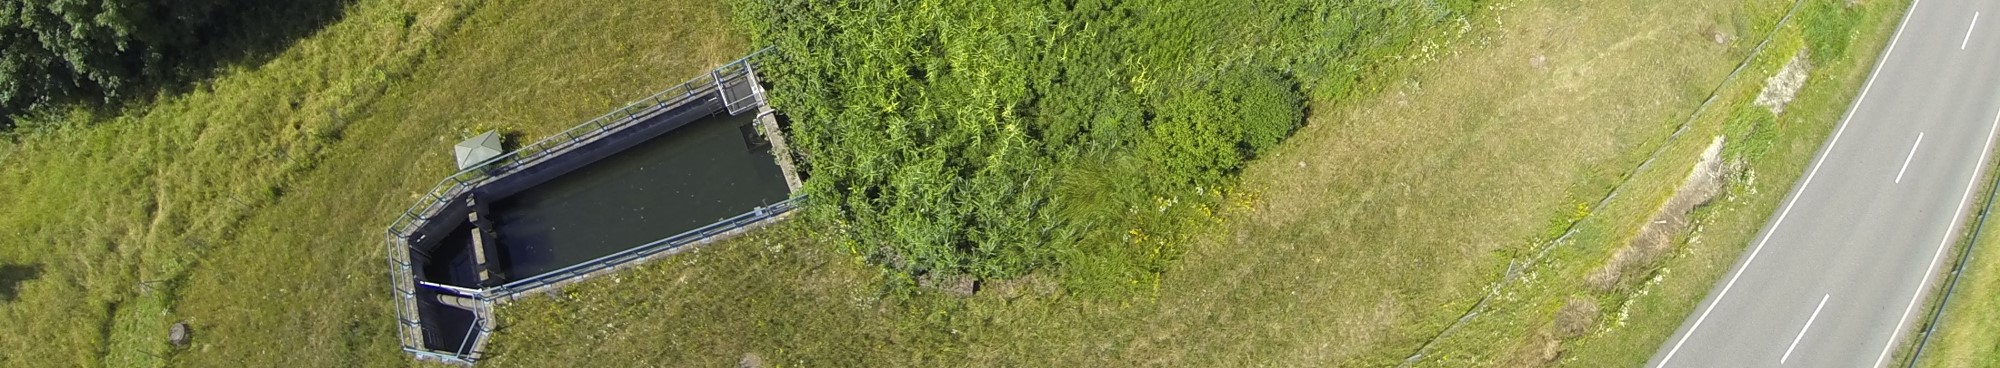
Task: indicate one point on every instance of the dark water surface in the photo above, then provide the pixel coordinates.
(709, 170)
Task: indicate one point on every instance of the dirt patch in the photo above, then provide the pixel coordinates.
(961, 286)
(1781, 88)
(1656, 236)
(1576, 318)
(1015, 288)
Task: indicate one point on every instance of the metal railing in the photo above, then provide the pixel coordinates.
(644, 251)
(728, 75)
(484, 319)
(463, 180)
(403, 282)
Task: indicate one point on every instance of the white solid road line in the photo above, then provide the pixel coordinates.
(1984, 154)
(1802, 330)
(1968, 31)
(1906, 160)
(1872, 75)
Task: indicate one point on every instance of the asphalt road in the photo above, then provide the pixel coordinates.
(1841, 271)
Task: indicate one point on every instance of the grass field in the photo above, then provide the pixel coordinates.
(1641, 313)
(251, 207)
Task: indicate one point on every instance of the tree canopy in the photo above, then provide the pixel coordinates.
(61, 51)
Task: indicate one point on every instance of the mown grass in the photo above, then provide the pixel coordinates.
(251, 207)
(1351, 244)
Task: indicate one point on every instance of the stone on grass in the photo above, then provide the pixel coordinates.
(178, 335)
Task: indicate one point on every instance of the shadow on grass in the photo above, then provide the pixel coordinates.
(11, 277)
(247, 33)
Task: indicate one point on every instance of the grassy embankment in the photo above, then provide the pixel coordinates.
(1766, 153)
(1964, 334)
(252, 206)
(1355, 241)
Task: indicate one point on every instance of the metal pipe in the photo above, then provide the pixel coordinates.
(454, 289)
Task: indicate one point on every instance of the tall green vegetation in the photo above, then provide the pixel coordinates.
(987, 139)
(56, 52)
(1829, 26)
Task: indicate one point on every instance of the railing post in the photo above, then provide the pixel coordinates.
(716, 76)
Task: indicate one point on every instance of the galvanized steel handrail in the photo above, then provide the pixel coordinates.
(643, 251)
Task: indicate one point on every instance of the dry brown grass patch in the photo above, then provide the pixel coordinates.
(1541, 350)
(1576, 318)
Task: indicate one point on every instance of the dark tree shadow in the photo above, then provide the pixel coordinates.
(246, 33)
(11, 277)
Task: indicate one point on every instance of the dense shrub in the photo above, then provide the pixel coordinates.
(990, 138)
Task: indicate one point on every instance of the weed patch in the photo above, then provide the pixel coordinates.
(991, 139)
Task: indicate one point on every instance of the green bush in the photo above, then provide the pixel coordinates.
(1829, 27)
(992, 138)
